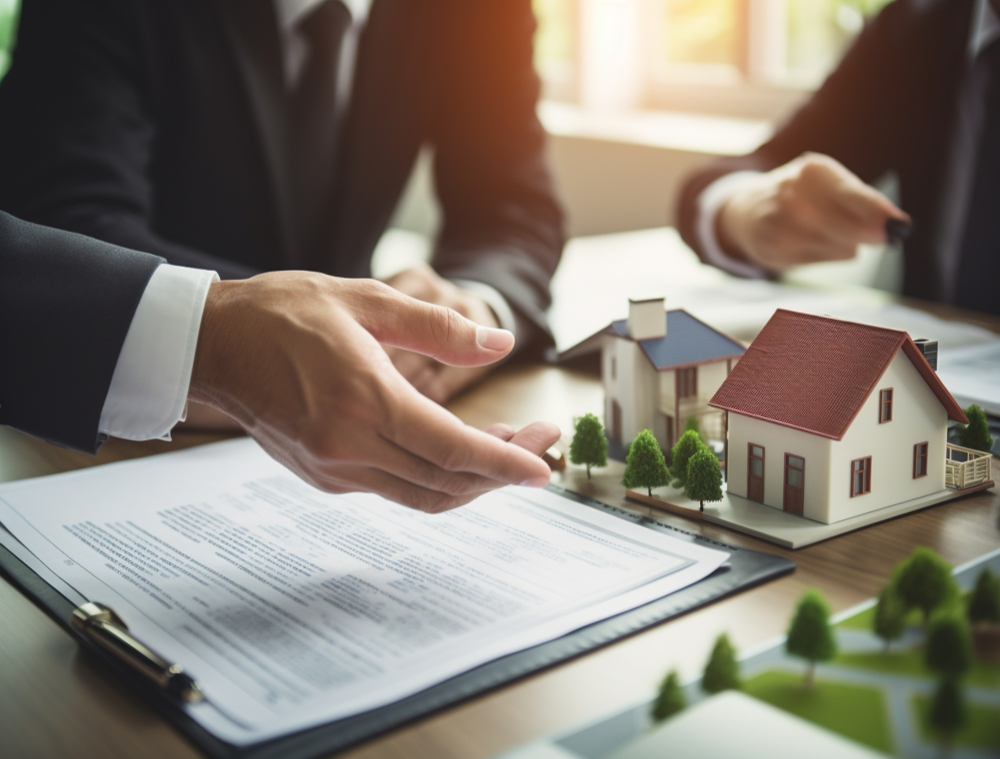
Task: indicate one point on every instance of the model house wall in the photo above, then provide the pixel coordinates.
(777, 441)
(917, 417)
(647, 398)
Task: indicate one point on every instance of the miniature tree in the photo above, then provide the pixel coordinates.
(984, 604)
(948, 713)
(670, 699)
(810, 635)
(704, 478)
(948, 650)
(689, 444)
(924, 581)
(645, 466)
(590, 445)
(976, 434)
(889, 622)
(692, 425)
(722, 672)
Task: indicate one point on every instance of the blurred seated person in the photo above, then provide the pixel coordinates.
(98, 341)
(918, 95)
(242, 136)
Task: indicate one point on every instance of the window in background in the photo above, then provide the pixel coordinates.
(555, 46)
(750, 58)
(8, 23)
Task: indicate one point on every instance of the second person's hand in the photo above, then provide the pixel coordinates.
(809, 210)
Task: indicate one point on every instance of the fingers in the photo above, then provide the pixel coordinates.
(427, 430)
(502, 431)
(441, 383)
(537, 437)
(398, 320)
(354, 478)
(857, 210)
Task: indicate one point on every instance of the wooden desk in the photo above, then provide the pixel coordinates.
(54, 701)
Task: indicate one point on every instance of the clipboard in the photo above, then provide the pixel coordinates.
(745, 569)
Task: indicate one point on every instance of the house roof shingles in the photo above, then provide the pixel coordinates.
(688, 341)
(813, 373)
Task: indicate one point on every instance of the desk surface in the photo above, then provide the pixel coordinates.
(55, 701)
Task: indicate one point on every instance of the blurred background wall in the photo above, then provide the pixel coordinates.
(638, 92)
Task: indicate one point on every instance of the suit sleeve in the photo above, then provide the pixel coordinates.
(66, 303)
(76, 132)
(502, 223)
(850, 118)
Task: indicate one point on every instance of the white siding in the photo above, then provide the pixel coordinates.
(777, 441)
(917, 417)
(634, 386)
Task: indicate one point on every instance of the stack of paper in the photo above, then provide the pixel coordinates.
(294, 608)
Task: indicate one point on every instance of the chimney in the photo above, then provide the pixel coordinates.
(929, 349)
(646, 319)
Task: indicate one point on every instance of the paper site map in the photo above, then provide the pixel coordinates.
(294, 608)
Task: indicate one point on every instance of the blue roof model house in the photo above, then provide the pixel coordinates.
(659, 369)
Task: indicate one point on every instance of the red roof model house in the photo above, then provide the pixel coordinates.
(830, 419)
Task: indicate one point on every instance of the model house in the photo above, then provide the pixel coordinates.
(829, 419)
(659, 369)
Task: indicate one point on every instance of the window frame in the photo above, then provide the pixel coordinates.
(917, 456)
(691, 373)
(867, 470)
(882, 402)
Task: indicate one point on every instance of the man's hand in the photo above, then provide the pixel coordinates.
(297, 359)
(436, 380)
(809, 210)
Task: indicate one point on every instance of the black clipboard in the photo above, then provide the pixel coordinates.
(745, 569)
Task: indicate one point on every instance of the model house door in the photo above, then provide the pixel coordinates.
(795, 482)
(755, 473)
(616, 421)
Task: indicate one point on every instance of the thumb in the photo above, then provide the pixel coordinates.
(398, 320)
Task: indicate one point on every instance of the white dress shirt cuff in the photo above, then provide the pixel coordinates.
(501, 308)
(710, 202)
(148, 393)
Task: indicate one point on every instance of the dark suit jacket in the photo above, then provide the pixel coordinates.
(66, 303)
(889, 106)
(161, 126)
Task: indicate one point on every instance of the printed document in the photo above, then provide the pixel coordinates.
(292, 607)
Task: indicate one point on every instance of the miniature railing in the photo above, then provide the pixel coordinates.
(966, 467)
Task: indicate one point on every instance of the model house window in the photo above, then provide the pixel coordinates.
(919, 460)
(614, 368)
(687, 382)
(861, 476)
(885, 405)
(794, 469)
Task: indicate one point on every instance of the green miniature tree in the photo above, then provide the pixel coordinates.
(722, 672)
(810, 636)
(924, 581)
(948, 712)
(689, 444)
(948, 650)
(984, 604)
(670, 699)
(976, 434)
(692, 425)
(889, 622)
(704, 478)
(590, 445)
(645, 466)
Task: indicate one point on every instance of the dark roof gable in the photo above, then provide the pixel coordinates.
(689, 341)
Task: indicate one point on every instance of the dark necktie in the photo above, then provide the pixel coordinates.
(978, 283)
(313, 122)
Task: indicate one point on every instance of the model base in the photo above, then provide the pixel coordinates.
(779, 527)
